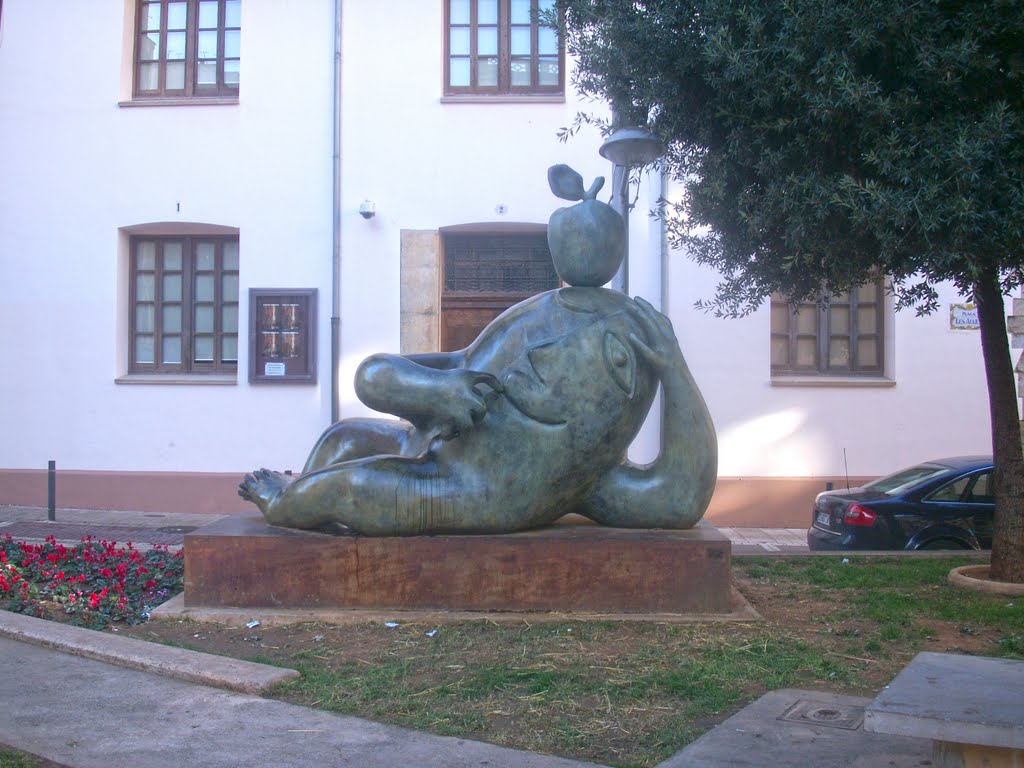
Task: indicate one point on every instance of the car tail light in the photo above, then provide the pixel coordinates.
(857, 515)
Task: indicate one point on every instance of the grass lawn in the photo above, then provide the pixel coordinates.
(631, 693)
(13, 758)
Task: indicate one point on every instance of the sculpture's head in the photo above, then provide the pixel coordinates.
(589, 376)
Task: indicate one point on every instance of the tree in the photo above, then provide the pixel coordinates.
(822, 142)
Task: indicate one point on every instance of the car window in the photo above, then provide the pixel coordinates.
(982, 491)
(951, 491)
(895, 484)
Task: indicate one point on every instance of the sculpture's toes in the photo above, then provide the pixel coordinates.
(246, 488)
(262, 487)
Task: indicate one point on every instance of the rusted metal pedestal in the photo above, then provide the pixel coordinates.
(242, 562)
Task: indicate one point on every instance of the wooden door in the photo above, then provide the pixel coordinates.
(486, 274)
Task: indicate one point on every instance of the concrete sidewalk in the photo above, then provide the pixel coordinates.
(70, 525)
(84, 713)
(169, 528)
(87, 714)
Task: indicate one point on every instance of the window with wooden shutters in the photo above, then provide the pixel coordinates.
(501, 47)
(841, 337)
(184, 305)
(187, 48)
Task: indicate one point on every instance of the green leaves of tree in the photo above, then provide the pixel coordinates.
(818, 142)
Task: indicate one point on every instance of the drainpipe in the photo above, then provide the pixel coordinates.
(336, 214)
(663, 184)
(620, 204)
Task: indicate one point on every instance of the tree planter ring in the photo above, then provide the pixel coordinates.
(975, 578)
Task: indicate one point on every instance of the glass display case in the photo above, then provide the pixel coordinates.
(282, 335)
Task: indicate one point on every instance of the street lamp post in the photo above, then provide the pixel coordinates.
(627, 148)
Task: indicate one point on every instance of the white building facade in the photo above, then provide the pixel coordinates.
(176, 172)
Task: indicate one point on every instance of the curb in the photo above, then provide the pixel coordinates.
(193, 666)
(175, 608)
(975, 578)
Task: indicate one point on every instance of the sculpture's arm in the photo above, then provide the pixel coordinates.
(442, 361)
(440, 401)
(674, 490)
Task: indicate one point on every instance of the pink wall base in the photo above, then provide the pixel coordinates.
(191, 492)
(739, 502)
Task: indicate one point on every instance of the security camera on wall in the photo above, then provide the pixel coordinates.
(367, 209)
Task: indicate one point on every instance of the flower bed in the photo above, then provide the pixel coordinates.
(92, 584)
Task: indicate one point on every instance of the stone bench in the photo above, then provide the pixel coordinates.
(971, 707)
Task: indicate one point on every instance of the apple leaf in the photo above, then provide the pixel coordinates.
(565, 182)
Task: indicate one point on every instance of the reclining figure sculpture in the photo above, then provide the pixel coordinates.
(528, 423)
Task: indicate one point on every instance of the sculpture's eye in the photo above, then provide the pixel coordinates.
(621, 363)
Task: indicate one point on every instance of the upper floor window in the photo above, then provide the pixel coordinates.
(500, 47)
(842, 337)
(184, 305)
(187, 48)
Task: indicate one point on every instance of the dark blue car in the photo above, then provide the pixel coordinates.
(943, 504)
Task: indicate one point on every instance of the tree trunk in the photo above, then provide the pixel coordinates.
(1008, 530)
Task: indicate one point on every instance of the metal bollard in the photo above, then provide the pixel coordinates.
(51, 490)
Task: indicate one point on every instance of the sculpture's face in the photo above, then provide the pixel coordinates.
(588, 377)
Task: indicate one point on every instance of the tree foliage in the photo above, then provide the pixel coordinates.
(821, 142)
(817, 140)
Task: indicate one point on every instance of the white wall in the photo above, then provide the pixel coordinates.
(77, 166)
(428, 164)
(936, 406)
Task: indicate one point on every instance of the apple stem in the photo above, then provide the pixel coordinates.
(591, 194)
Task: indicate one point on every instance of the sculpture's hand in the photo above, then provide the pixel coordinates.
(661, 349)
(460, 403)
(440, 402)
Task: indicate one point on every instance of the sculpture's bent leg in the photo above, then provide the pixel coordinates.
(360, 439)
(381, 496)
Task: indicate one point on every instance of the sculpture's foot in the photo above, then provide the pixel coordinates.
(263, 487)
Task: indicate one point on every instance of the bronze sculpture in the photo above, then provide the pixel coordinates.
(528, 423)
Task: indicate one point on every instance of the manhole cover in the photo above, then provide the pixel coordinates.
(831, 715)
(177, 528)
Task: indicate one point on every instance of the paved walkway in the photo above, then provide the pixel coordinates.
(84, 714)
(169, 528)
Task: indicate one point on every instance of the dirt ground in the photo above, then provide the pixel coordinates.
(799, 615)
(617, 693)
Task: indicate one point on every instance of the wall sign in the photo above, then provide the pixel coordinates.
(963, 317)
(282, 335)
